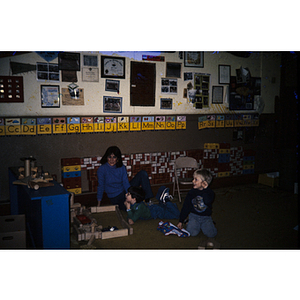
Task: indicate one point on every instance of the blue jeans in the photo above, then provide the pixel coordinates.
(140, 179)
(164, 211)
(197, 223)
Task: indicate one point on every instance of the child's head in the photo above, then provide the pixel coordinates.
(137, 194)
(202, 179)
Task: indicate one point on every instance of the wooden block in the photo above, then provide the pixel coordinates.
(115, 233)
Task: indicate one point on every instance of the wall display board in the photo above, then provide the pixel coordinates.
(11, 89)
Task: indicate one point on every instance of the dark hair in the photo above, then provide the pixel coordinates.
(113, 150)
(137, 193)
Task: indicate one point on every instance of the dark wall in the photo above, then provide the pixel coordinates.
(48, 150)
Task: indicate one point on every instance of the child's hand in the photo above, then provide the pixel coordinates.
(130, 221)
(127, 204)
(179, 225)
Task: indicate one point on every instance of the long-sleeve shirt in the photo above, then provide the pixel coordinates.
(139, 211)
(111, 180)
(198, 202)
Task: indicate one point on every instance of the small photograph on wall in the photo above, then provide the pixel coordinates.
(166, 103)
(112, 85)
(112, 104)
(168, 86)
(188, 76)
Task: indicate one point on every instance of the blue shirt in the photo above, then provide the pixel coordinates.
(111, 180)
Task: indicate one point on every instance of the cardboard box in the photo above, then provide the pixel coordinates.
(270, 179)
(12, 232)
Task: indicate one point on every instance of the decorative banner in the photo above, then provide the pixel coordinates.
(2, 127)
(110, 124)
(135, 123)
(59, 125)
(170, 123)
(220, 121)
(73, 124)
(28, 126)
(160, 123)
(44, 126)
(181, 122)
(87, 124)
(123, 124)
(148, 123)
(13, 126)
(238, 121)
(98, 124)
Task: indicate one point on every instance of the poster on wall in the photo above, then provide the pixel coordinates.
(50, 96)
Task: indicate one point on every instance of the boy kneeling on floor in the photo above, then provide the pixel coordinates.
(138, 209)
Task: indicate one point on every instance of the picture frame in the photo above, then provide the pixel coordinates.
(47, 71)
(217, 94)
(112, 85)
(112, 104)
(224, 74)
(50, 97)
(194, 59)
(166, 103)
(112, 67)
(69, 61)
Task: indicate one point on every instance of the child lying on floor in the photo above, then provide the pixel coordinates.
(138, 209)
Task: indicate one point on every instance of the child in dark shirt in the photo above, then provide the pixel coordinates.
(138, 209)
(198, 206)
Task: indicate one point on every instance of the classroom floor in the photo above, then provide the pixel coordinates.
(249, 216)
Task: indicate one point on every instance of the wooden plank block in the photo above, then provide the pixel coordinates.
(106, 208)
(123, 222)
(115, 233)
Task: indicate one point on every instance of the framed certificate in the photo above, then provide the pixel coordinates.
(224, 74)
(112, 67)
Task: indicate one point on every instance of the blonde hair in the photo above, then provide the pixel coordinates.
(205, 174)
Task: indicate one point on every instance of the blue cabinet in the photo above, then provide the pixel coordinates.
(47, 213)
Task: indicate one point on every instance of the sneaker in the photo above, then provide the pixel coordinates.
(163, 195)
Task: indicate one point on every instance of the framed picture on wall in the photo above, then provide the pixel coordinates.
(224, 74)
(112, 85)
(50, 96)
(112, 67)
(166, 103)
(112, 104)
(194, 59)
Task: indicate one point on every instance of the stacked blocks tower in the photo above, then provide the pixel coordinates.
(71, 174)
